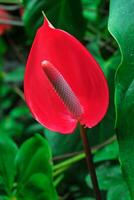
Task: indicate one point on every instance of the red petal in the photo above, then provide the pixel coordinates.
(45, 105)
(78, 68)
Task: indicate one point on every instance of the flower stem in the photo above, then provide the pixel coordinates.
(69, 161)
(90, 163)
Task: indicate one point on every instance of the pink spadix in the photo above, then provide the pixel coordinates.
(63, 89)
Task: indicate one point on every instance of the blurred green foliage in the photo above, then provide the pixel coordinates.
(26, 168)
(60, 13)
(124, 90)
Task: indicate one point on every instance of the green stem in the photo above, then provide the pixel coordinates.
(58, 180)
(60, 170)
(69, 161)
(81, 156)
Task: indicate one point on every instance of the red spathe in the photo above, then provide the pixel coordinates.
(79, 69)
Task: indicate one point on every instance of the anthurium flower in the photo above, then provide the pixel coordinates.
(63, 83)
(5, 16)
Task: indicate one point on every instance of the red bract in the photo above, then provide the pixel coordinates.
(63, 83)
(5, 16)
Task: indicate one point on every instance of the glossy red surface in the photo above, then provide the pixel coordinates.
(79, 69)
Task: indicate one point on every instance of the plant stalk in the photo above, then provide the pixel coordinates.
(90, 163)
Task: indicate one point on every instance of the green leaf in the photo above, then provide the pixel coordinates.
(110, 152)
(3, 49)
(3, 46)
(110, 179)
(15, 75)
(91, 9)
(10, 126)
(34, 170)
(4, 91)
(8, 152)
(5, 198)
(34, 156)
(39, 187)
(85, 198)
(63, 14)
(107, 176)
(68, 143)
(35, 128)
(118, 192)
(121, 26)
(19, 111)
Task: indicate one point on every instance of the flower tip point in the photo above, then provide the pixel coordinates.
(46, 21)
(43, 13)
